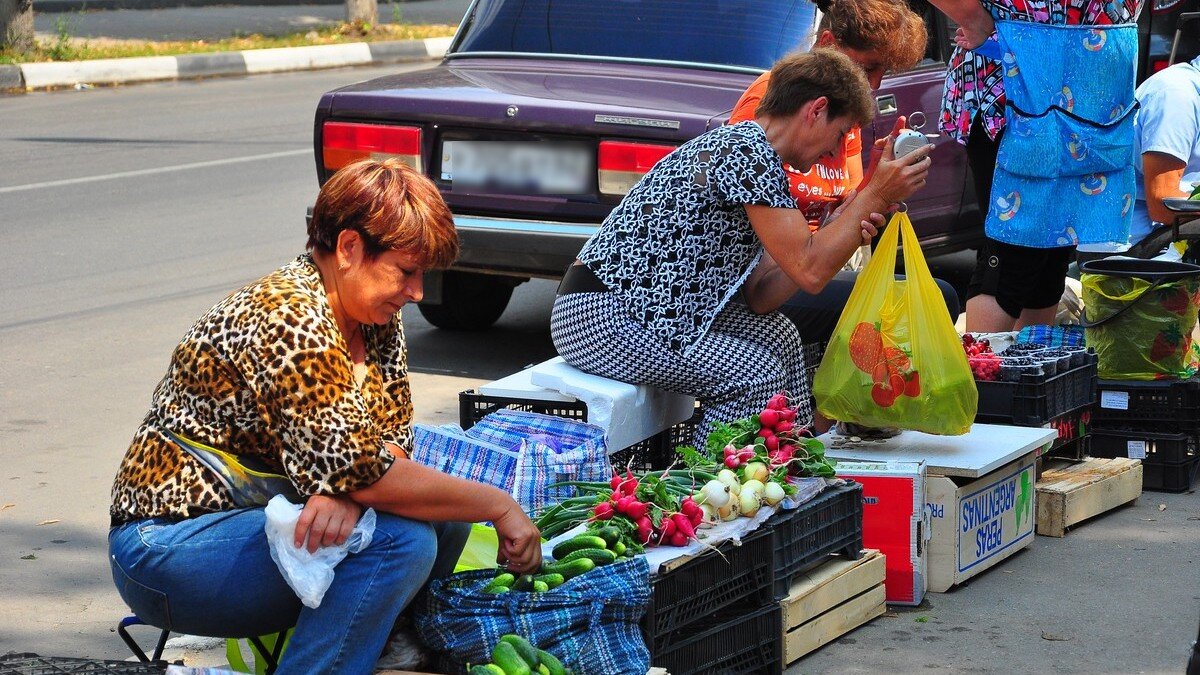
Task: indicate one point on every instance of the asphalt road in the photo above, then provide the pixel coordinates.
(216, 23)
(126, 212)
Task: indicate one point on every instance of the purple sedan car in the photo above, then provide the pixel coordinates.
(545, 112)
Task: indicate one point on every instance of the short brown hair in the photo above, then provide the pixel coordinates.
(391, 206)
(799, 78)
(889, 28)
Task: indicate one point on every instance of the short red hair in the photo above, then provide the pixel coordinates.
(391, 206)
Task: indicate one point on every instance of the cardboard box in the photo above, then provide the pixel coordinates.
(979, 523)
(830, 601)
(895, 522)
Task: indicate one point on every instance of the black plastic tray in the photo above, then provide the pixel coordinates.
(32, 664)
(1170, 477)
(733, 576)
(1036, 400)
(737, 641)
(829, 524)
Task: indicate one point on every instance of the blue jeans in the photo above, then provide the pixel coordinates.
(213, 575)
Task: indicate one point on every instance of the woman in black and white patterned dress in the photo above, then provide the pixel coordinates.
(679, 286)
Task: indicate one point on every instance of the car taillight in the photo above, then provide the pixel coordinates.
(622, 164)
(1158, 64)
(346, 142)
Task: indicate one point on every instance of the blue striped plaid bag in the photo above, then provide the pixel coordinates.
(550, 450)
(590, 623)
(450, 450)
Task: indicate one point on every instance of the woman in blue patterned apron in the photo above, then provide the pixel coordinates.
(1056, 77)
(652, 298)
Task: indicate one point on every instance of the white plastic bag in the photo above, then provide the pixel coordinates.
(309, 574)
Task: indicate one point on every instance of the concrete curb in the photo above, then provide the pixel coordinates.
(53, 75)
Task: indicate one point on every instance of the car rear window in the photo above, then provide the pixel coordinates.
(738, 33)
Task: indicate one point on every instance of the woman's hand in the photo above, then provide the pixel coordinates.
(896, 179)
(870, 226)
(326, 521)
(969, 39)
(520, 542)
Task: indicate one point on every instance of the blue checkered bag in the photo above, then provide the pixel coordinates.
(450, 450)
(590, 623)
(1052, 336)
(549, 450)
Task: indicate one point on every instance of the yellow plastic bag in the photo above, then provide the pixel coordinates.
(480, 551)
(894, 359)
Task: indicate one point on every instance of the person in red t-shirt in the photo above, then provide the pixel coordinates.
(881, 36)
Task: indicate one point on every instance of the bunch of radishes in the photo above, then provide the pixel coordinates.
(649, 504)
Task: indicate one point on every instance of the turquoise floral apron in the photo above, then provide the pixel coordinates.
(1064, 171)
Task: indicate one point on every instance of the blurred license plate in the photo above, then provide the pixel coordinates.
(505, 166)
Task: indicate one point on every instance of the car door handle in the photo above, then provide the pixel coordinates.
(886, 104)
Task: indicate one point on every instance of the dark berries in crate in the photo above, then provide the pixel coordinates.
(1012, 368)
(1019, 348)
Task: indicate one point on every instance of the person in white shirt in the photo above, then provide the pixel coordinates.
(1167, 142)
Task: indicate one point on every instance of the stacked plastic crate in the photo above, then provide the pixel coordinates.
(1063, 400)
(1157, 422)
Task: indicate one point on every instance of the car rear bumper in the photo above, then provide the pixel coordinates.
(528, 248)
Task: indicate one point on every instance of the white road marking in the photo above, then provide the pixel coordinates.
(151, 172)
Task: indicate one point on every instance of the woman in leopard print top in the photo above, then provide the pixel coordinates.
(298, 384)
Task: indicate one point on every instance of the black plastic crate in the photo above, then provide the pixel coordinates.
(473, 406)
(1170, 477)
(1170, 460)
(1036, 400)
(1159, 448)
(735, 642)
(813, 353)
(32, 664)
(802, 538)
(1077, 449)
(1159, 405)
(658, 451)
(700, 590)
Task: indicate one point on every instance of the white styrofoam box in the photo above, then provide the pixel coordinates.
(628, 413)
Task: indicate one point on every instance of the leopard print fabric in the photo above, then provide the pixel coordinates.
(267, 374)
(680, 245)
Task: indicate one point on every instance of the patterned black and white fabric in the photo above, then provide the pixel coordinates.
(739, 363)
(679, 245)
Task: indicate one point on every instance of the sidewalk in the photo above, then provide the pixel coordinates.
(214, 23)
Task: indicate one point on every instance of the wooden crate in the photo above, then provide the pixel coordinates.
(830, 601)
(1069, 494)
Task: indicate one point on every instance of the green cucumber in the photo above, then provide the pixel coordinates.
(609, 534)
(542, 669)
(600, 556)
(523, 583)
(504, 579)
(527, 652)
(551, 662)
(619, 548)
(540, 586)
(551, 580)
(505, 655)
(487, 669)
(496, 590)
(581, 542)
(571, 569)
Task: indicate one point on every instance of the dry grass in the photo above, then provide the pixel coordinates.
(63, 47)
